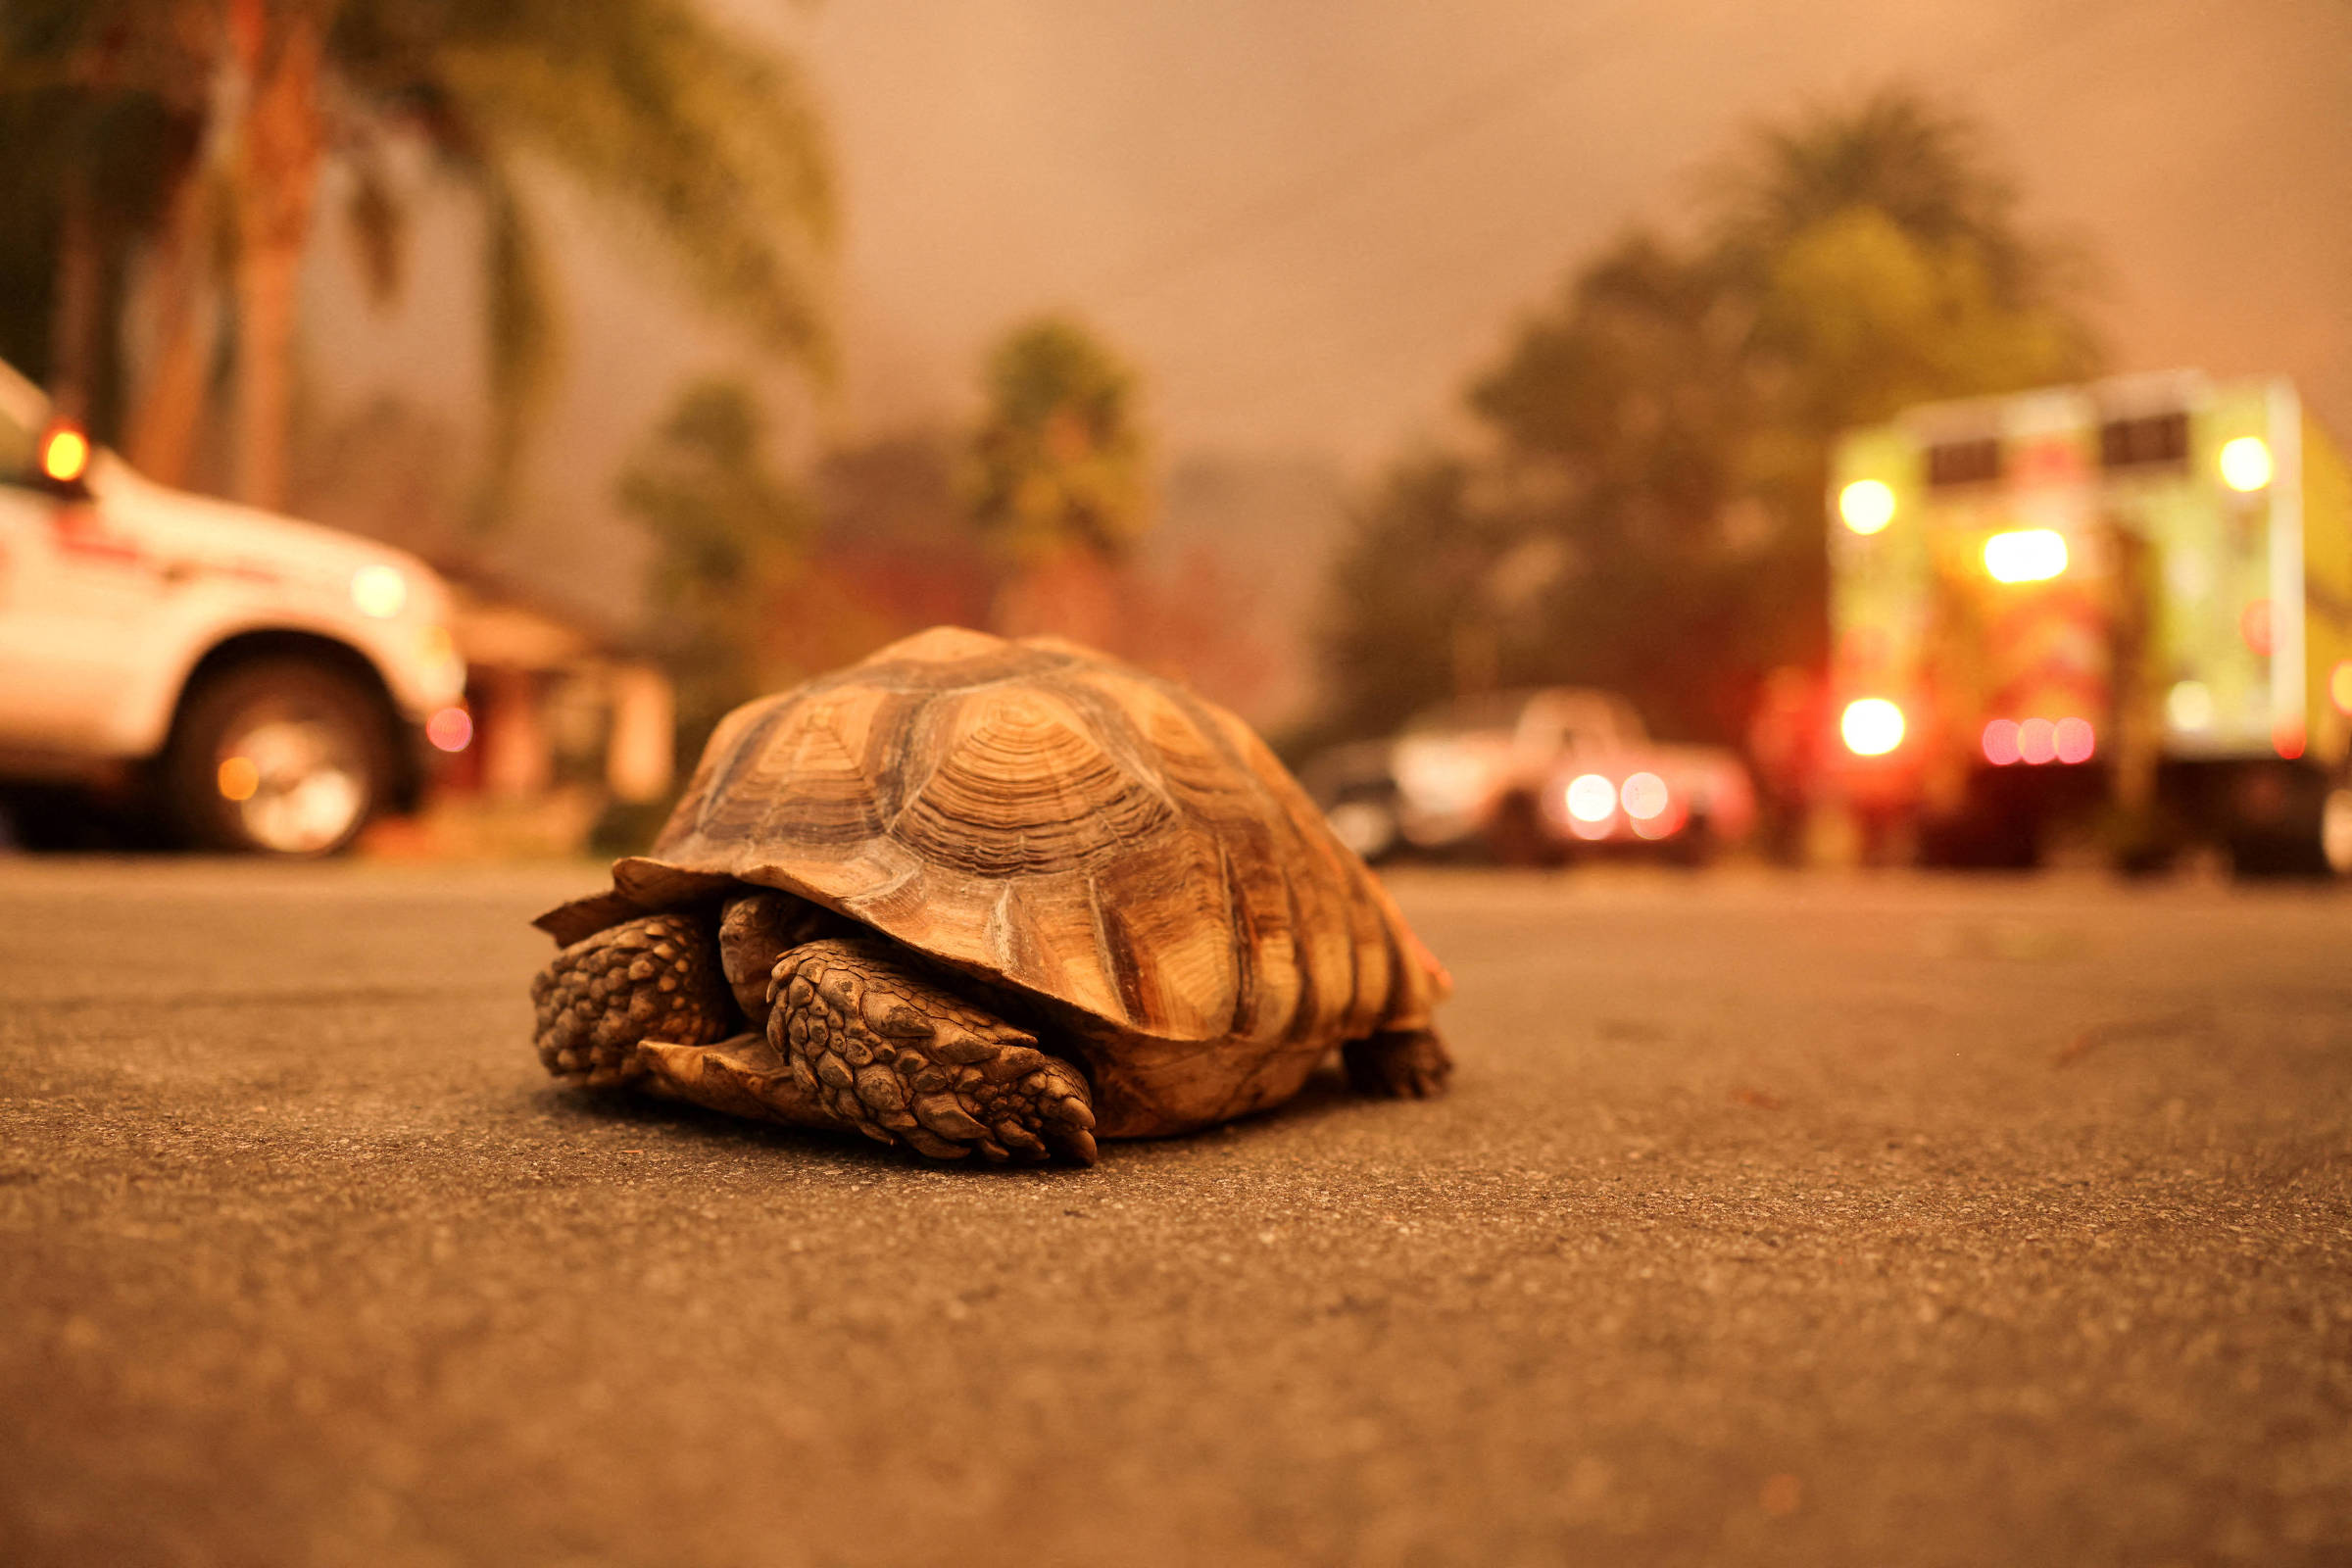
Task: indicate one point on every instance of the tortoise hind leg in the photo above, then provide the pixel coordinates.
(600, 997)
(897, 1056)
(1398, 1064)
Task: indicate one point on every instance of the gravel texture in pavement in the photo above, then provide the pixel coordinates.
(1771, 1220)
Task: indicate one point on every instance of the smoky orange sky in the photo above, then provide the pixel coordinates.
(1306, 221)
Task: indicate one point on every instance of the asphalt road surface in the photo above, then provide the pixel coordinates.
(1772, 1220)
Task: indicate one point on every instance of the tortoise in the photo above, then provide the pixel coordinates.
(973, 894)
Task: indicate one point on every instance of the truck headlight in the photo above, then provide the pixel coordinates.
(1592, 798)
(1872, 726)
(1644, 796)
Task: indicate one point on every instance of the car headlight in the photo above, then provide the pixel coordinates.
(379, 591)
(1592, 798)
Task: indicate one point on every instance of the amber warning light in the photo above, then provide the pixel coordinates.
(65, 453)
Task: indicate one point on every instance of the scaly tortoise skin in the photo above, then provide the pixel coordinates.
(979, 895)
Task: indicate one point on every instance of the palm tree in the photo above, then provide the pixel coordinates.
(1880, 261)
(641, 101)
(729, 535)
(1056, 483)
(1893, 150)
(1058, 459)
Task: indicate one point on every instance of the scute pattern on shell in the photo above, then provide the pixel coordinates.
(1094, 837)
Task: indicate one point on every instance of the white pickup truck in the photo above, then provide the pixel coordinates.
(1537, 775)
(245, 681)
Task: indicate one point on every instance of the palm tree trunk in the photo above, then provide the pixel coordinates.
(276, 184)
(164, 415)
(74, 328)
(162, 437)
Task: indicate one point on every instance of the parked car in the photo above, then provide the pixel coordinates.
(1497, 770)
(242, 680)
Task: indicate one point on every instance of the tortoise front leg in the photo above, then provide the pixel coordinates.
(604, 995)
(888, 1050)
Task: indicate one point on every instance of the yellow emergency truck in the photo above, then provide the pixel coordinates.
(2119, 613)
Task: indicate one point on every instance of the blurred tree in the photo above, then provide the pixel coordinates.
(1877, 260)
(895, 552)
(642, 100)
(1058, 457)
(1410, 590)
(729, 537)
(101, 107)
(1056, 483)
(1663, 427)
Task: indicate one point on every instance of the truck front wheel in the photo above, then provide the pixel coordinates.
(280, 757)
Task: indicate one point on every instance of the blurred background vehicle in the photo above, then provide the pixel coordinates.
(1515, 775)
(1458, 762)
(1582, 773)
(2121, 610)
(224, 677)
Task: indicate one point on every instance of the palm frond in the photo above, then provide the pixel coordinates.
(718, 147)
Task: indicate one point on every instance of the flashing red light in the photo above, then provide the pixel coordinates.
(451, 729)
(2036, 741)
(2287, 738)
(2000, 742)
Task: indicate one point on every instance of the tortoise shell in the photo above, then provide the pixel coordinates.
(1124, 856)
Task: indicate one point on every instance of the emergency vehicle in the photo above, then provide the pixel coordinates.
(2121, 610)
